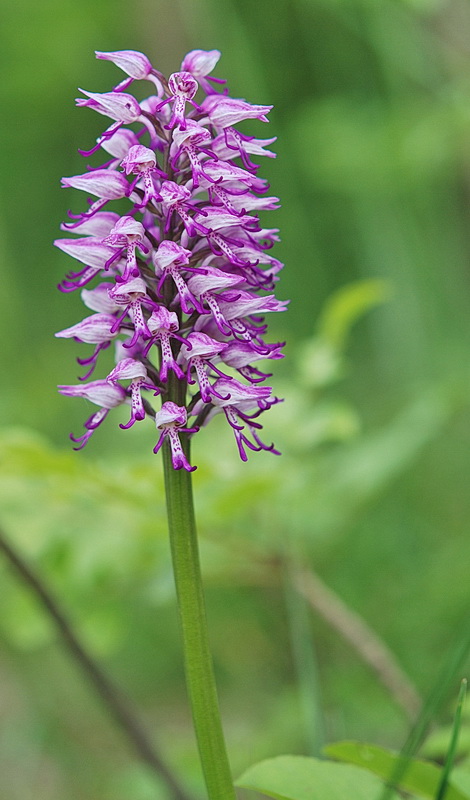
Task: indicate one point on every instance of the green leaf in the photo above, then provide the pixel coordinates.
(460, 778)
(302, 778)
(420, 777)
(320, 358)
(347, 305)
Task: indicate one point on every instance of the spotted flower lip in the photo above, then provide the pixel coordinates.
(130, 368)
(170, 420)
(174, 266)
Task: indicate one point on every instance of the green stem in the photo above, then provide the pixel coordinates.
(197, 656)
(451, 753)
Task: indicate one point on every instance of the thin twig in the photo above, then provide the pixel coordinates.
(349, 624)
(116, 703)
(365, 641)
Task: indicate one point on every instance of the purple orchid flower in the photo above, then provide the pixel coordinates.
(102, 394)
(185, 274)
(171, 420)
(130, 368)
(199, 63)
(134, 64)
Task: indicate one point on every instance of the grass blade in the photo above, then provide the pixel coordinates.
(449, 762)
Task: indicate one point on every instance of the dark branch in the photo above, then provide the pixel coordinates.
(118, 706)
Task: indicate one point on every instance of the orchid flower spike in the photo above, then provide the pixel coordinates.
(176, 273)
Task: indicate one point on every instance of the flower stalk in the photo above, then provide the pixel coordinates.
(199, 669)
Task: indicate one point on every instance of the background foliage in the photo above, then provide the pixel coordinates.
(372, 110)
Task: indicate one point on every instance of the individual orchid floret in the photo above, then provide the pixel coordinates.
(189, 142)
(89, 251)
(220, 219)
(230, 196)
(168, 259)
(196, 353)
(182, 88)
(163, 325)
(99, 329)
(134, 64)
(121, 107)
(237, 304)
(132, 295)
(240, 356)
(231, 144)
(236, 308)
(249, 202)
(128, 233)
(95, 329)
(98, 299)
(235, 180)
(105, 184)
(142, 162)
(200, 63)
(130, 368)
(237, 404)
(225, 246)
(176, 197)
(223, 112)
(101, 393)
(171, 420)
(205, 285)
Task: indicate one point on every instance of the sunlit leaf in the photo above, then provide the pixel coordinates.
(302, 778)
(421, 777)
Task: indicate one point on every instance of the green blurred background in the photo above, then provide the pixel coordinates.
(372, 111)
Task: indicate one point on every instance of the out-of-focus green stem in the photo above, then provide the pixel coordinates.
(451, 753)
(197, 655)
